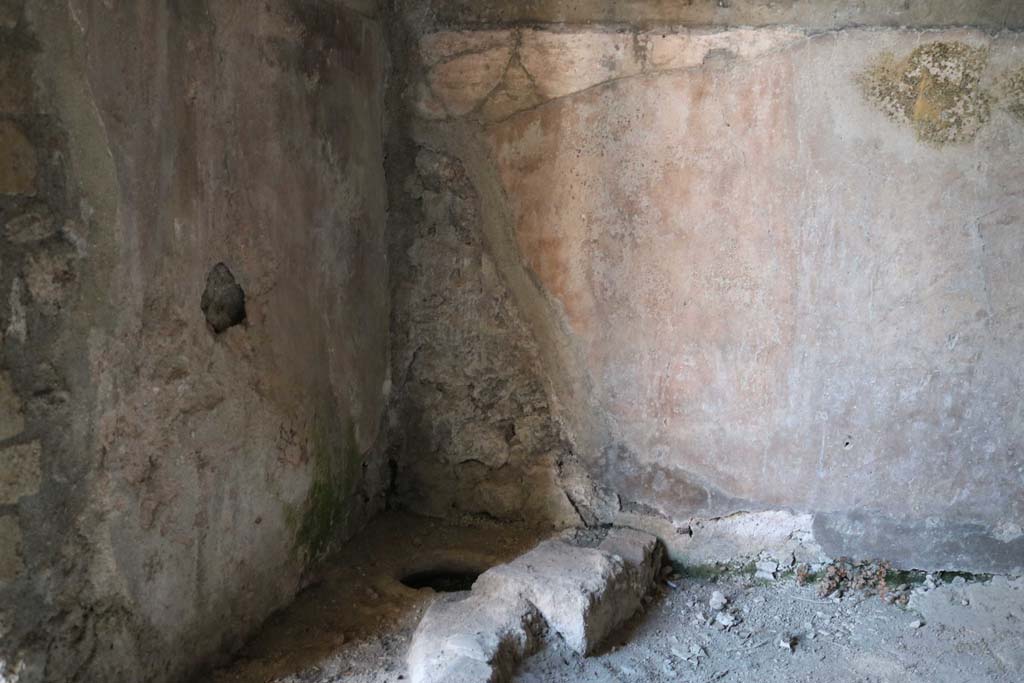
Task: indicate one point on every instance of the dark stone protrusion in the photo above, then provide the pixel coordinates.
(223, 301)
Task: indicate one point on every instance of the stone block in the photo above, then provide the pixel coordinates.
(11, 562)
(564, 63)
(482, 443)
(47, 276)
(462, 83)
(426, 103)
(223, 300)
(580, 593)
(516, 93)
(12, 418)
(17, 326)
(443, 45)
(17, 161)
(691, 48)
(34, 225)
(474, 639)
(19, 472)
(16, 75)
(641, 552)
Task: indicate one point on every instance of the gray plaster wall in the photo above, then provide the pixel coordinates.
(163, 487)
(765, 268)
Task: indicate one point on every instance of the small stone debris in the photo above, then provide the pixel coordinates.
(916, 624)
(849, 578)
(809, 632)
(787, 642)
(718, 601)
(35, 225)
(766, 570)
(691, 654)
(725, 619)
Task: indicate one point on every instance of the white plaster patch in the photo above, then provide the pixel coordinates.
(691, 48)
(1007, 532)
(782, 536)
(10, 672)
(17, 327)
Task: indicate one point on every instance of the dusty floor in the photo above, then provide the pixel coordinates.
(355, 624)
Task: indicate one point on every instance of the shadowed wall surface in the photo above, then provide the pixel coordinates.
(185, 456)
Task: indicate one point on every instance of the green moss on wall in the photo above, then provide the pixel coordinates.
(336, 464)
(936, 90)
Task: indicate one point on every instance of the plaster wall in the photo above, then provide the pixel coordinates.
(767, 268)
(171, 485)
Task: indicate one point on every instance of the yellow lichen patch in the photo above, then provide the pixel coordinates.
(936, 90)
(1011, 93)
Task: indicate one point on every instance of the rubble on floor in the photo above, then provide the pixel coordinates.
(734, 626)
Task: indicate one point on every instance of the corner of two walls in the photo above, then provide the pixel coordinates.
(472, 427)
(768, 290)
(166, 483)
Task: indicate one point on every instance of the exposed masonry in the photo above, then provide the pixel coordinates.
(470, 422)
(493, 74)
(42, 456)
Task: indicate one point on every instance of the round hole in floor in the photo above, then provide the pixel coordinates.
(442, 580)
